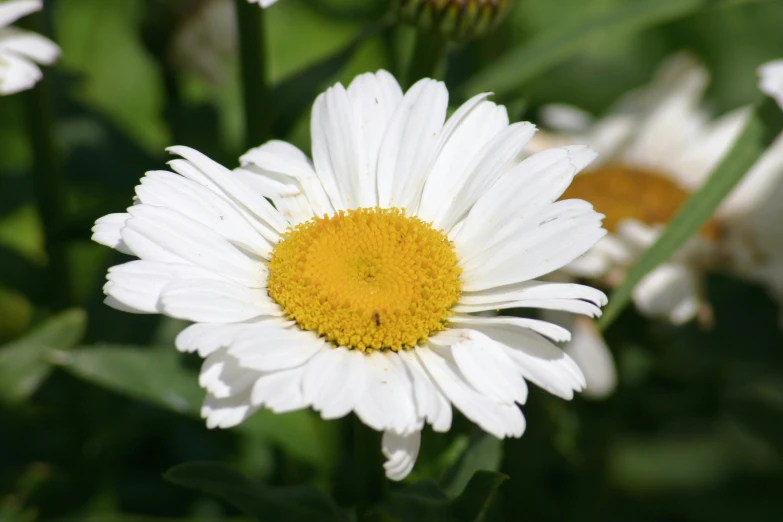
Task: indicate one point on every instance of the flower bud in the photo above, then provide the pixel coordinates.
(455, 19)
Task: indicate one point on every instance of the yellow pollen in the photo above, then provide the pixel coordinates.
(368, 279)
(622, 192)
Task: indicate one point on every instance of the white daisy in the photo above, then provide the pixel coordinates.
(771, 80)
(354, 292)
(20, 50)
(656, 149)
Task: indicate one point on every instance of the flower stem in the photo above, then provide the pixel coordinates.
(368, 467)
(253, 71)
(429, 57)
(48, 184)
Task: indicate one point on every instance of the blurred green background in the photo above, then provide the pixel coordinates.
(95, 404)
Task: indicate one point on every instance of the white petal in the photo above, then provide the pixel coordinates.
(229, 412)
(213, 301)
(495, 159)
(487, 367)
(374, 99)
(334, 380)
(771, 80)
(222, 377)
(387, 401)
(269, 348)
(28, 45)
(543, 244)
(545, 328)
(539, 361)
(430, 402)
(17, 73)
(671, 291)
(466, 132)
(106, 231)
(136, 286)
(281, 391)
(410, 144)
(166, 189)
(499, 419)
(207, 338)
(221, 181)
(401, 452)
(519, 196)
(588, 349)
(163, 234)
(15, 9)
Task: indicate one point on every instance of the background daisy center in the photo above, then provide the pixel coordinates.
(624, 192)
(368, 279)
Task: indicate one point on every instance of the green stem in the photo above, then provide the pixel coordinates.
(253, 71)
(48, 184)
(368, 467)
(429, 57)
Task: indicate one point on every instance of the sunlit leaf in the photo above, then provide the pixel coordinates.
(26, 362)
(563, 41)
(157, 376)
(764, 124)
(266, 503)
(483, 453)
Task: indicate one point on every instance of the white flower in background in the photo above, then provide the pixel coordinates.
(354, 292)
(263, 3)
(771, 80)
(20, 50)
(655, 150)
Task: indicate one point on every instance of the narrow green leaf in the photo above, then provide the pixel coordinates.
(473, 502)
(484, 453)
(292, 504)
(26, 362)
(556, 45)
(764, 124)
(156, 376)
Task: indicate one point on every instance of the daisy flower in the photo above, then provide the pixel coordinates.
(656, 149)
(354, 289)
(20, 50)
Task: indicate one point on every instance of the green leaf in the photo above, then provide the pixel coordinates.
(484, 453)
(26, 362)
(426, 501)
(157, 376)
(296, 94)
(509, 72)
(473, 502)
(764, 124)
(292, 504)
(152, 375)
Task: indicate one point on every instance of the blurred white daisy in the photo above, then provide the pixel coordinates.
(354, 292)
(263, 3)
(656, 149)
(21, 50)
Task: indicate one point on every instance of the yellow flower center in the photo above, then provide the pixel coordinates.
(621, 192)
(369, 279)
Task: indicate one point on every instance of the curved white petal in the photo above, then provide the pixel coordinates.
(771, 80)
(280, 391)
(401, 453)
(137, 286)
(270, 348)
(410, 144)
(589, 350)
(28, 45)
(206, 338)
(334, 380)
(228, 412)
(222, 377)
(163, 234)
(15, 9)
(106, 231)
(552, 331)
(387, 401)
(214, 301)
(17, 73)
(430, 402)
(671, 291)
